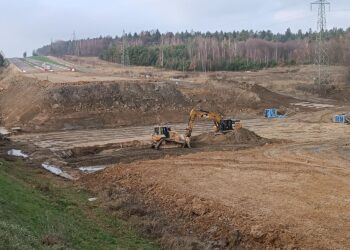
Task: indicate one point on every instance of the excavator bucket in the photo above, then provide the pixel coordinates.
(238, 125)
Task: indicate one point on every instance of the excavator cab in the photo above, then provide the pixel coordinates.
(225, 125)
(161, 130)
(229, 124)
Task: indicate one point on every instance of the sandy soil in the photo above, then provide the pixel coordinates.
(50, 102)
(293, 193)
(290, 195)
(287, 187)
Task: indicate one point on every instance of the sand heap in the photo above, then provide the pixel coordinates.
(240, 136)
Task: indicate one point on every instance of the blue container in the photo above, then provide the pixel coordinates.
(339, 119)
(272, 113)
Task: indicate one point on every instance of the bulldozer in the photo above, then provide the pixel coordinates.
(221, 125)
(164, 137)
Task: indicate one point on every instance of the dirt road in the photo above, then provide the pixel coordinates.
(24, 66)
(63, 140)
(302, 128)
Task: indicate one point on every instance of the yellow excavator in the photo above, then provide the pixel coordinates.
(164, 137)
(221, 125)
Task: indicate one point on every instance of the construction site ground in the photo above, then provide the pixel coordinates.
(283, 183)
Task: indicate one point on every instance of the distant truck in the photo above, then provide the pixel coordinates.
(46, 67)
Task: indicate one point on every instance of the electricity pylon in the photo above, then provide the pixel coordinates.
(322, 59)
(125, 52)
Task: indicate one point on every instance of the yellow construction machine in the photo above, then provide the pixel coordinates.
(164, 137)
(221, 125)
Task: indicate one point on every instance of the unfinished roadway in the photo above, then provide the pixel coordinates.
(292, 192)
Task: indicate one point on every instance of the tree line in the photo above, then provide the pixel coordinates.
(2, 60)
(237, 50)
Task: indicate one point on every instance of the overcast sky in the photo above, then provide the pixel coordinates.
(27, 25)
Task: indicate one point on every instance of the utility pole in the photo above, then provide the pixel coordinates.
(322, 59)
(125, 52)
(161, 52)
(74, 45)
(51, 48)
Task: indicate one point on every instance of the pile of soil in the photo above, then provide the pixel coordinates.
(271, 99)
(234, 137)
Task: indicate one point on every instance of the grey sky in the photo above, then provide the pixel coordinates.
(29, 24)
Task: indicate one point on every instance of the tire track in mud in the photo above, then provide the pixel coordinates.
(62, 140)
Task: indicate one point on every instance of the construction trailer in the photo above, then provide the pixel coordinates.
(273, 113)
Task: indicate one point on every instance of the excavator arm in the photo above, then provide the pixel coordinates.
(194, 114)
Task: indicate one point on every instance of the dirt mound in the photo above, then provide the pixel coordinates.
(271, 99)
(340, 93)
(8, 72)
(240, 136)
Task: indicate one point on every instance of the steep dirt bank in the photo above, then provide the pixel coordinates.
(43, 106)
(339, 93)
(38, 105)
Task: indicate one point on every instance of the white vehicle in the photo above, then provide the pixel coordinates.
(46, 67)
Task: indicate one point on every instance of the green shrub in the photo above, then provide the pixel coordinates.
(2, 60)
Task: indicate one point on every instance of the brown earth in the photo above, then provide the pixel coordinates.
(41, 105)
(291, 195)
(275, 184)
(341, 93)
(240, 136)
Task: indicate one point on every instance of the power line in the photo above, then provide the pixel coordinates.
(322, 59)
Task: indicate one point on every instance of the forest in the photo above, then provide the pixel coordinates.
(2, 60)
(197, 51)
